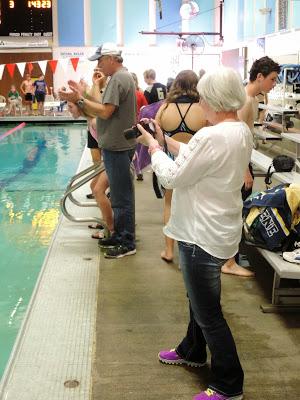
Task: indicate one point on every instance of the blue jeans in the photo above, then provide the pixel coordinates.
(207, 326)
(117, 166)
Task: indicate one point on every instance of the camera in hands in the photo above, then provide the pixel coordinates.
(133, 132)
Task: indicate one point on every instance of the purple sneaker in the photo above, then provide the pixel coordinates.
(171, 357)
(210, 394)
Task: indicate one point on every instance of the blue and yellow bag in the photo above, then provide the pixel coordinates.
(272, 218)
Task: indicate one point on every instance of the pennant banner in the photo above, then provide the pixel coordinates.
(64, 62)
(43, 66)
(30, 67)
(21, 67)
(74, 62)
(53, 65)
(11, 69)
(1, 70)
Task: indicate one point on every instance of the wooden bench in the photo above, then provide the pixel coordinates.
(285, 296)
(264, 135)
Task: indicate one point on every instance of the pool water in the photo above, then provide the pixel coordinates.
(36, 164)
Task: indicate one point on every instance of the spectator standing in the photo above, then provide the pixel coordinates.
(169, 83)
(180, 116)
(27, 90)
(206, 220)
(140, 97)
(155, 91)
(140, 102)
(116, 113)
(40, 91)
(262, 79)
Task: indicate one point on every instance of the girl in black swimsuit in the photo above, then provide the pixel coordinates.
(182, 103)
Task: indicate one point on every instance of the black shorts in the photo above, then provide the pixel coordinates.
(40, 97)
(91, 141)
(28, 97)
(246, 193)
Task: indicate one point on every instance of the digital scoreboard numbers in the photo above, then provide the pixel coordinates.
(20, 18)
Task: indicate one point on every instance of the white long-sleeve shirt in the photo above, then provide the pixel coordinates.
(207, 177)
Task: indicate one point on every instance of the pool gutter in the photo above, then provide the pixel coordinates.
(53, 353)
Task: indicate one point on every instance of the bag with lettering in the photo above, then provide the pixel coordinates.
(271, 218)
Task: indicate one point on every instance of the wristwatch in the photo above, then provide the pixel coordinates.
(80, 103)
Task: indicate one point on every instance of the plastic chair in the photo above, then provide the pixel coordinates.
(2, 105)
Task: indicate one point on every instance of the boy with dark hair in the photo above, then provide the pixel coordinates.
(264, 66)
(262, 79)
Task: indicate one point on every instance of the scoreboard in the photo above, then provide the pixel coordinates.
(24, 18)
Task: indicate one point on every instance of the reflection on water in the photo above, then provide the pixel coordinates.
(35, 166)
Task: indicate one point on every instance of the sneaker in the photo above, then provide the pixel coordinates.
(119, 252)
(210, 394)
(171, 357)
(108, 242)
(292, 256)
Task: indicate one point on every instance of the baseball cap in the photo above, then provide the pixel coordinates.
(106, 49)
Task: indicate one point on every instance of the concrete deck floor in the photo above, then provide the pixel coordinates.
(142, 308)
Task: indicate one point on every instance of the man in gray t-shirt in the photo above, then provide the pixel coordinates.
(115, 113)
(120, 92)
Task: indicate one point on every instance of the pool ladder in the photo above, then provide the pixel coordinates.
(85, 176)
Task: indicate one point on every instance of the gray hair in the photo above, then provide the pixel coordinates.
(118, 58)
(222, 90)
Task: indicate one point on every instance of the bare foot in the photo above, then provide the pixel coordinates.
(234, 269)
(166, 257)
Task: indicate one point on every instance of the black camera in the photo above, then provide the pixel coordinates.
(133, 132)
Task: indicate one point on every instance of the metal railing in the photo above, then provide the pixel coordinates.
(82, 177)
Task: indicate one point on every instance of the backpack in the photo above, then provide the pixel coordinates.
(271, 219)
(281, 163)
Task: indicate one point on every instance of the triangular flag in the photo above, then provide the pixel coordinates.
(64, 62)
(11, 69)
(1, 70)
(43, 66)
(30, 67)
(53, 64)
(21, 67)
(74, 62)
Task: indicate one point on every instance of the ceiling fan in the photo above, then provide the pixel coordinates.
(194, 44)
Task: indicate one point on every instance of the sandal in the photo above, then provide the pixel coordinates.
(98, 235)
(96, 226)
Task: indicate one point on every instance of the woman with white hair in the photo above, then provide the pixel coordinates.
(206, 220)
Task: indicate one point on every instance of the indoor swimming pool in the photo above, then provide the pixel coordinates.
(36, 163)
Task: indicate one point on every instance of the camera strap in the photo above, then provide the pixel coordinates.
(165, 146)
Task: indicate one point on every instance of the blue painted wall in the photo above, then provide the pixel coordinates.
(136, 20)
(232, 25)
(296, 14)
(204, 22)
(241, 19)
(70, 22)
(103, 21)
(259, 18)
(248, 19)
(171, 21)
(270, 19)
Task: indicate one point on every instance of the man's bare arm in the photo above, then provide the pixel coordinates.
(104, 111)
(90, 107)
